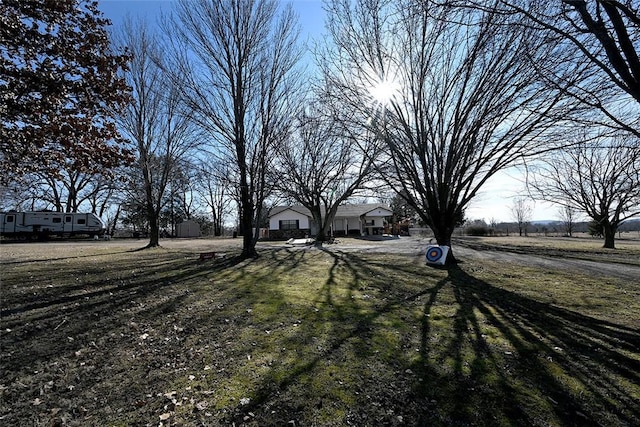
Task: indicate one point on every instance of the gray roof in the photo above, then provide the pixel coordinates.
(344, 211)
(296, 208)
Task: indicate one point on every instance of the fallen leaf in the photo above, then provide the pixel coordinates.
(165, 416)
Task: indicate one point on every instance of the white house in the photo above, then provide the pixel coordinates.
(357, 219)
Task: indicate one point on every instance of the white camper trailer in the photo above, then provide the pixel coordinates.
(30, 225)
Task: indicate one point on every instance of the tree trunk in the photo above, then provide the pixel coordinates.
(609, 233)
(115, 221)
(320, 234)
(215, 222)
(246, 225)
(443, 232)
(154, 231)
(248, 249)
(248, 243)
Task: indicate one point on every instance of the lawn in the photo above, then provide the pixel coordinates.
(107, 336)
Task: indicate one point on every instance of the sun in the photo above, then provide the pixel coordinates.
(384, 91)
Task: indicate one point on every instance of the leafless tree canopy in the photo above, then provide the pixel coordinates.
(600, 177)
(460, 98)
(322, 165)
(569, 216)
(602, 36)
(598, 174)
(215, 189)
(156, 121)
(522, 213)
(236, 63)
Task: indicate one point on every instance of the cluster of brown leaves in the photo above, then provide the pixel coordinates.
(58, 86)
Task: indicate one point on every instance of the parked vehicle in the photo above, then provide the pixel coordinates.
(31, 225)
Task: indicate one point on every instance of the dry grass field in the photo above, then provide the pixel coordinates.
(522, 332)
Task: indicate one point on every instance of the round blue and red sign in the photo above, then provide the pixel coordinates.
(434, 253)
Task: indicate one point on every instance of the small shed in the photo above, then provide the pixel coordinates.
(188, 228)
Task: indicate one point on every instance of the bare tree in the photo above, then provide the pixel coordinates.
(105, 200)
(601, 35)
(600, 177)
(214, 189)
(184, 187)
(320, 166)
(21, 195)
(449, 93)
(156, 121)
(522, 213)
(238, 61)
(568, 215)
(69, 187)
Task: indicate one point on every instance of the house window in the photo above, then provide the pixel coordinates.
(289, 224)
(370, 223)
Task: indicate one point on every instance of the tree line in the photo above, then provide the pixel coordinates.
(215, 106)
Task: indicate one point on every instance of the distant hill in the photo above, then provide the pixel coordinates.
(629, 225)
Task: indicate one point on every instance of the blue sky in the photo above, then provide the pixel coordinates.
(496, 198)
(310, 11)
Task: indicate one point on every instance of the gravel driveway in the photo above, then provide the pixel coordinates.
(603, 269)
(417, 246)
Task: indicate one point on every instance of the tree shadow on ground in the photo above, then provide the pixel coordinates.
(496, 358)
(94, 337)
(562, 363)
(337, 331)
(376, 344)
(79, 303)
